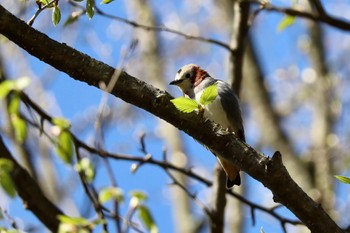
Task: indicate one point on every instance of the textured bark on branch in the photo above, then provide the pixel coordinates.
(269, 171)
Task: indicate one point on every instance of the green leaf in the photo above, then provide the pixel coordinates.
(85, 166)
(111, 193)
(140, 195)
(56, 15)
(343, 179)
(185, 105)
(90, 11)
(72, 18)
(6, 182)
(45, 2)
(19, 126)
(287, 21)
(5, 88)
(14, 104)
(106, 1)
(209, 94)
(147, 219)
(61, 122)
(64, 146)
(6, 165)
(73, 220)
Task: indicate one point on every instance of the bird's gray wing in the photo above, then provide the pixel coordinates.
(230, 103)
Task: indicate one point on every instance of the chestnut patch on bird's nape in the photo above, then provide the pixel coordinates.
(199, 75)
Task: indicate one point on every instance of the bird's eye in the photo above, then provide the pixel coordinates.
(188, 75)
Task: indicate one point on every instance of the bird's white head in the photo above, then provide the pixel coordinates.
(188, 77)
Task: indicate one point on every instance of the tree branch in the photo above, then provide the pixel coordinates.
(31, 194)
(269, 171)
(323, 18)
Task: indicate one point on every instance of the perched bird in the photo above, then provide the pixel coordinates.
(224, 110)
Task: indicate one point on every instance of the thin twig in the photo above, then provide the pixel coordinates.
(40, 9)
(165, 165)
(158, 28)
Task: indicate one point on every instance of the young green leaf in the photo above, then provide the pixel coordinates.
(5, 88)
(185, 105)
(140, 195)
(61, 122)
(6, 181)
(343, 179)
(90, 11)
(19, 126)
(45, 2)
(73, 220)
(72, 18)
(14, 104)
(287, 21)
(64, 146)
(147, 219)
(56, 15)
(85, 167)
(111, 193)
(209, 94)
(106, 1)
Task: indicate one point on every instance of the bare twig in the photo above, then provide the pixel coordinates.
(40, 9)
(158, 28)
(323, 18)
(163, 164)
(8, 217)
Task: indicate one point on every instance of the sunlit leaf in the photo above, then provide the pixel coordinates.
(6, 181)
(111, 193)
(45, 2)
(287, 21)
(64, 146)
(13, 104)
(61, 122)
(106, 1)
(343, 179)
(19, 126)
(142, 196)
(56, 15)
(262, 230)
(86, 167)
(73, 220)
(72, 18)
(147, 219)
(209, 94)
(90, 10)
(5, 88)
(185, 105)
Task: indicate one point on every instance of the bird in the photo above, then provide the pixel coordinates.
(224, 110)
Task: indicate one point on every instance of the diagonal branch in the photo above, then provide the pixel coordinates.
(269, 171)
(31, 194)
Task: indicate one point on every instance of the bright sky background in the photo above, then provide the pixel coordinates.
(105, 39)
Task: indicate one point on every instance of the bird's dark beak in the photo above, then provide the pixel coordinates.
(176, 82)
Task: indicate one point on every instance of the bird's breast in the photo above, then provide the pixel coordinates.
(215, 111)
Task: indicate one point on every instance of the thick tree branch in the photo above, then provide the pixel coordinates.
(239, 34)
(31, 194)
(269, 171)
